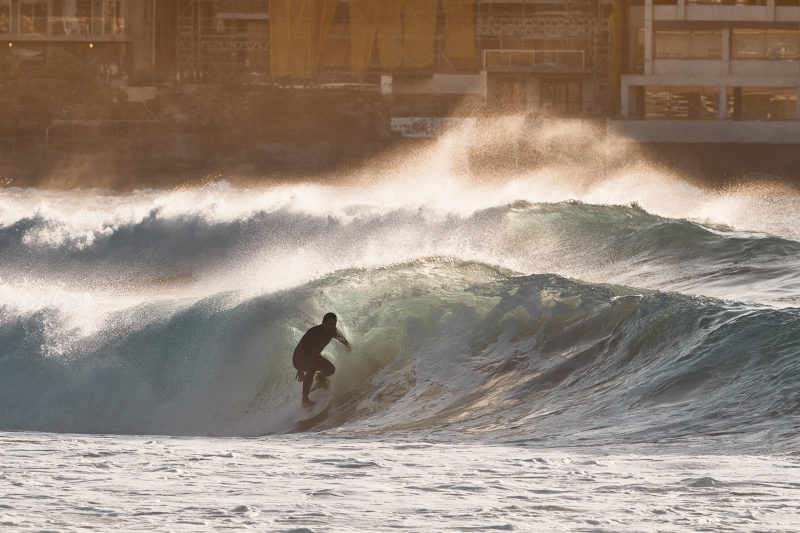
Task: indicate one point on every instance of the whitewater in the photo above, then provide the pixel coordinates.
(542, 350)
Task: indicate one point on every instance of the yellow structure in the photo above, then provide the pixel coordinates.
(298, 29)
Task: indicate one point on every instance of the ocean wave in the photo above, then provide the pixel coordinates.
(442, 345)
(267, 250)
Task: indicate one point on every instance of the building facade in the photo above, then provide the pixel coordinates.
(711, 70)
(115, 35)
(663, 70)
(549, 56)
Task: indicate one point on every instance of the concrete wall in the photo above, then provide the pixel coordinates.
(439, 84)
(704, 131)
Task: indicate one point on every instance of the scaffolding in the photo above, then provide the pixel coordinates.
(222, 39)
(582, 23)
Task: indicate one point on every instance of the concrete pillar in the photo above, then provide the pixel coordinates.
(14, 29)
(624, 100)
(681, 9)
(723, 103)
(139, 28)
(726, 52)
(771, 10)
(97, 17)
(648, 37)
(797, 106)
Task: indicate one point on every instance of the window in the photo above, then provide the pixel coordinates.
(561, 97)
(33, 16)
(765, 44)
(688, 44)
(113, 17)
(692, 103)
(71, 17)
(764, 103)
(5, 16)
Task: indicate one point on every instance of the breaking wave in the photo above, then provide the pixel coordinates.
(562, 322)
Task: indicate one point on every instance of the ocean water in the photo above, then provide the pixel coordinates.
(534, 353)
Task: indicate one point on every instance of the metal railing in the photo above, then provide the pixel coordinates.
(498, 60)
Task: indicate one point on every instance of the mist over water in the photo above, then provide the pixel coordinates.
(484, 297)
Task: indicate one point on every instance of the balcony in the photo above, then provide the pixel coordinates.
(728, 10)
(499, 60)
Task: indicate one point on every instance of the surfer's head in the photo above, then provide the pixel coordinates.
(329, 320)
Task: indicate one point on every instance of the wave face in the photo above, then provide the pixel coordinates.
(559, 322)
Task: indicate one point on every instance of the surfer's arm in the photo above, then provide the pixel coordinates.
(339, 337)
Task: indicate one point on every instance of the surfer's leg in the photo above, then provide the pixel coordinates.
(325, 367)
(307, 382)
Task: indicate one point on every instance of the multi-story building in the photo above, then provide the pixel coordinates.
(711, 71)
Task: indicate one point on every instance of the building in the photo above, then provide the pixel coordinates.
(549, 56)
(115, 35)
(710, 71)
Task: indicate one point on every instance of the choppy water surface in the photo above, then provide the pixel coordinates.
(329, 484)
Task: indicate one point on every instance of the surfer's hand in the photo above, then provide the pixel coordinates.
(300, 375)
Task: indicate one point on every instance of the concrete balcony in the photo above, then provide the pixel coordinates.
(717, 68)
(705, 131)
(726, 13)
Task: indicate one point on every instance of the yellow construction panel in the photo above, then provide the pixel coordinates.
(298, 30)
(279, 38)
(362, 33)
(419, 39)
(390, 27)
(459, 39)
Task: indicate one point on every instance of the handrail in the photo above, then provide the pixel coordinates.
(533, 60)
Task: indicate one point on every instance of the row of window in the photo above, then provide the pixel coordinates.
(62, 17)
(699, 103)
(745, 44)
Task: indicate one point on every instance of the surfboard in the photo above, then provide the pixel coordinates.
(322, 399)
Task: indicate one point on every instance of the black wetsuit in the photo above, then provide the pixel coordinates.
(307, 356)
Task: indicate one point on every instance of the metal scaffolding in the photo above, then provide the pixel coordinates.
(218, 39)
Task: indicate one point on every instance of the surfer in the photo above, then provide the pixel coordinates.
(307, 357)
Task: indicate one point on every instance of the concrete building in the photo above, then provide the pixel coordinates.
(710, 71)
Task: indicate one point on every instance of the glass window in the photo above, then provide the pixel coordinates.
(672, 44)
(765, 44)
(761, 103)
(71, 17)
(33, 16)
(5, 16)
(561, 97)
(783, 44)
(113, 17)
(693, 103)
(705, 44)
(688, 44)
